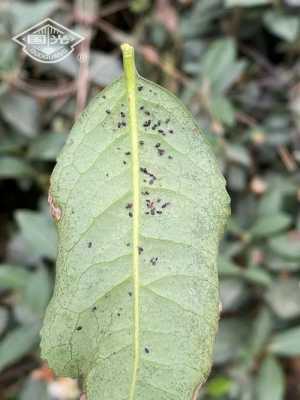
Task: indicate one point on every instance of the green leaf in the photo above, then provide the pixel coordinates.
(286, 343)
(286, 246)
(140, 207)
(257, 276)
(26, 14)
(261, 331)
(13, 277)
(35, 390)
(38, 233)
(21, 112)
(270, 381)
(4, 318)
(284, 298)
(219, 65)
(17, 343)
(270, 224)
(222, 110)
(38, 287)
(47, 147)
(286, 27)
(12, 167)
(231, 338)
(219, 386)
(247, 3)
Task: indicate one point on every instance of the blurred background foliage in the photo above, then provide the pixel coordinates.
(236, 65)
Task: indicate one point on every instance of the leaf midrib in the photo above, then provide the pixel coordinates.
(130, 80)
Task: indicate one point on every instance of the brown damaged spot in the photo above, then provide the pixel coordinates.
(55, 211)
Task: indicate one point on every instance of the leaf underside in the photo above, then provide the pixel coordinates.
(90, 326)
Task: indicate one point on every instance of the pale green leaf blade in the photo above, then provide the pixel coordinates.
(135, 307)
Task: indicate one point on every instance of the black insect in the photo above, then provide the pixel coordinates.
(154, 260)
